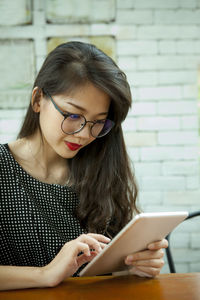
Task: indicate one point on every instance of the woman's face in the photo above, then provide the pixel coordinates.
(88, 101)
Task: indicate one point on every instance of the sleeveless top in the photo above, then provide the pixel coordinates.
(36, 218)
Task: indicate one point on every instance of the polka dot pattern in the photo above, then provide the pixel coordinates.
(36, 218)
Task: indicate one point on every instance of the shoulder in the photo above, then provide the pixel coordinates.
(4, 157)
(3, 151)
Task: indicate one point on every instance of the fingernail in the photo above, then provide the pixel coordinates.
(151, 246)
(129, 258)
(108, 239)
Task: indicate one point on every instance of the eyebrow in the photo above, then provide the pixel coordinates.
(84, 110)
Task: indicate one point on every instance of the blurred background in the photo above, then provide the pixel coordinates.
(157, 44)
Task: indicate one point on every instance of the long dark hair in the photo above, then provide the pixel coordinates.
(100, 172)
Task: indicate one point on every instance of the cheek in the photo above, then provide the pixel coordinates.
(50, 125)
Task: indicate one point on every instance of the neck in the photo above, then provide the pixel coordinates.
(53, 168)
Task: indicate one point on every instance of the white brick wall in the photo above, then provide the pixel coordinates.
(157, 44)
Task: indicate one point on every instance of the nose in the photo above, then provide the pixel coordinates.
(85, 132)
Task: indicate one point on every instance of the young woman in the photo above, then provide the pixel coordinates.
(66, 183)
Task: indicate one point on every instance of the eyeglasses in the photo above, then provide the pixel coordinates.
(73, 123)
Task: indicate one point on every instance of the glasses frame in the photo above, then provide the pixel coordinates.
(65, 115)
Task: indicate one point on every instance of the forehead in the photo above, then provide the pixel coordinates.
(89, 98)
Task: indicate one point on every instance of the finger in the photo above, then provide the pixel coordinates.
(135, 271)
(90, 241)
(155, 263)
(83, 247)
(103, 245)
(82, 259)
(158, 245)
(100, 237)
(150, 271)
(144, 255)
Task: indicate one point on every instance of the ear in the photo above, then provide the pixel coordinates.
(36, 99)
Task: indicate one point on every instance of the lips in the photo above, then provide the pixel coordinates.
(73, 146)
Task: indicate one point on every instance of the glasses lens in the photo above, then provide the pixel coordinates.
(102, 128)
(73, 123)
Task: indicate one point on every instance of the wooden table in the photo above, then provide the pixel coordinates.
(165, 287)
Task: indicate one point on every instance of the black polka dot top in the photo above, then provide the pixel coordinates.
(36, 218)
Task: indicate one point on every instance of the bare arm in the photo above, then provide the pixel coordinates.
(12, 277)
(64, 265)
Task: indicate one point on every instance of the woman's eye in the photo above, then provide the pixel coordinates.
(100, 121)
(74, 117)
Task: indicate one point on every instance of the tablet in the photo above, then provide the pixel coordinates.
(135, 236)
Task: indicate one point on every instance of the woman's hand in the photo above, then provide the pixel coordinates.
(148, 263)
(67, 261)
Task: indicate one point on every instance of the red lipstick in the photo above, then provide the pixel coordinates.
(73, 146)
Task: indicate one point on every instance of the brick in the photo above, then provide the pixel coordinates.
(159, 93)
(168, 62)
(152, 198)
(39, 18)
(188, 46)
(89, 11)
(166, 207)
(124, 4)
(14, 98)
(142, 78)
(6, 138)
(40, 47)
(178, 138)
(125, 32)
(162, 153)
(10, 126)
(194, 267)
(163, 183)
(127, 63)
(177, 77)
(140, 139)
(146, 169)
(39, 62)
(134, 154)
(106, 44)
(22, 61)
(136, 47)
(182, 198)
(180, 168)
(143, 109)
(188, 4)
(195, 240)
(190, 91)
(129, 124)
(12, 114)
(134, 16)
(38, 5)
(192, 182)
(182, 268)
(179, 239)
(134, 93)
(155, 4)
(189, 122)
(191, 225)
(177, 108)
(181, 16)
(72, 30)
(16, 14)
(186, 255)
(158, 123)
(168, 32)
(167, 47)
(97, 29)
